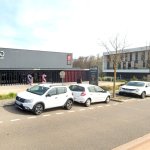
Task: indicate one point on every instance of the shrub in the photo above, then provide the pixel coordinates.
(134, 78)
(7, 96)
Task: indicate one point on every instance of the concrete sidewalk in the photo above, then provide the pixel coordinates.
(142, 143)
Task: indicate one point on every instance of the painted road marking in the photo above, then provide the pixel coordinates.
(91, 108)
(46, 115)
(71, 111)
(15, 120)
(115, 104)
(32, 117)
(99, 106)
(82, 109)
(60, 113)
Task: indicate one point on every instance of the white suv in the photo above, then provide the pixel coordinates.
(87, 94)
(140, 88)
(44, 96)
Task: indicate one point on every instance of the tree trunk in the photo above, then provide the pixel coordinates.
(114, 82)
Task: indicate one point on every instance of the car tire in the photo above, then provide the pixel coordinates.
(143, 95)
(69, 104)
(38, 109)
(107, 99)
(120, 93)
(88, 103)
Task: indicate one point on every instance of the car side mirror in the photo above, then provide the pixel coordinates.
(48, 95)
(103, 91)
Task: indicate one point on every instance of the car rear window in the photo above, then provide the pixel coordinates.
(77, 88)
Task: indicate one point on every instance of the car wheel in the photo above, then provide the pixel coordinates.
(107, 99)
(120, 93)
(69, 104)
(38, 109)
(88, 103)
(143, 95)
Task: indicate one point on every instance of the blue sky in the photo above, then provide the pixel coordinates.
(76, 26)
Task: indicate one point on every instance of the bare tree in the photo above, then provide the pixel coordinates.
(88, 62)
(115, 50)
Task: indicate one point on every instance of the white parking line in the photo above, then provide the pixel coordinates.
(91, 108)
(71, 111)
(32, 117)
(99, 106)
(46, 115)
(107, 105)
(82, 109)
(115, 104)
(126, 101)
(15, 120)
(60, 113)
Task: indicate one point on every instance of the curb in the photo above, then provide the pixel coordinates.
(142, 143)
(115, 99)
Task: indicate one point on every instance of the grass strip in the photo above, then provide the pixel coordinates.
(7, 96)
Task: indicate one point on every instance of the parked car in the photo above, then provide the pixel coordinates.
(44, 96)
(87, 94)
(139, 88)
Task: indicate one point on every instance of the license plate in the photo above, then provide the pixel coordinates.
(19, 103)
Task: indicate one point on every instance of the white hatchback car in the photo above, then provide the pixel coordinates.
(44, 96)
(140, 88)
(87, 94)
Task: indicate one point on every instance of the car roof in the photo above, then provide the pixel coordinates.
(83, 84)
(140, 81)
(51, 84)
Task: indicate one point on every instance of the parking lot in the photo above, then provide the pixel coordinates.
(99, 124)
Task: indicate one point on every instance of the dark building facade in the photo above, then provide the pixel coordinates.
(17, 64)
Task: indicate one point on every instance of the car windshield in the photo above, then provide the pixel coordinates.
(39, 90)
(139, 84)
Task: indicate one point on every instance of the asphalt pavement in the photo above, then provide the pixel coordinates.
(142, 143)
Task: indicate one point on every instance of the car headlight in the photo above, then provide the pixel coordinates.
(28, 101)
(120, 88)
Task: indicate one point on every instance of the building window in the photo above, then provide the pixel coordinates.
(126, 57)
(143, 56)
(124, 65)
(129, 65)
(119, 65)
(136, 56)
(108, 67)
(136, 64)
(144, 64)
(130, 56)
